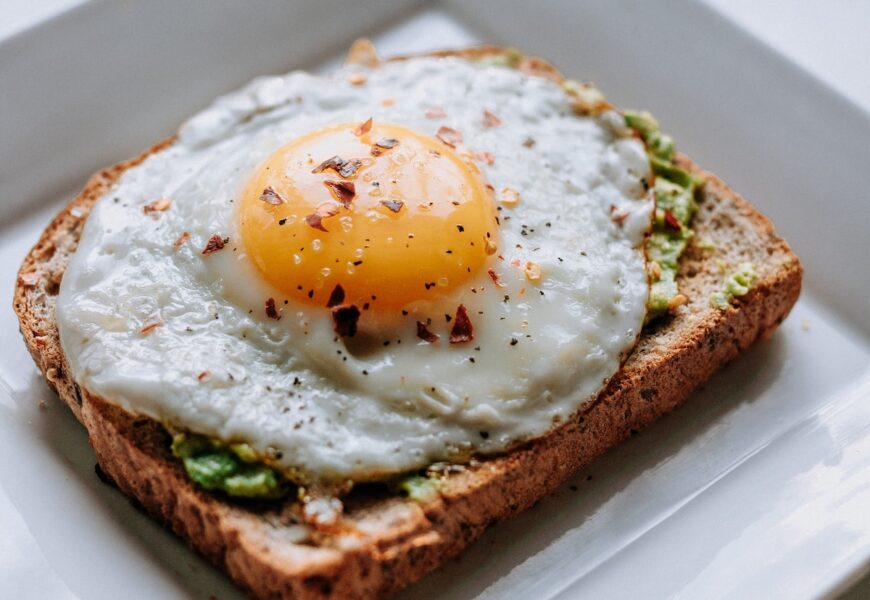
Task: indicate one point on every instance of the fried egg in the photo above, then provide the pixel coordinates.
(363, 273)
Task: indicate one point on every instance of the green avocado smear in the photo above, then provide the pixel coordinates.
(234, 469)
(675, 189)
(736, 284)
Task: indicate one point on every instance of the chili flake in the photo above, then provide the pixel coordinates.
(462, 330)
(671, 221)
(363, 127)
(387, 143)
(485, 157)
(215, 243)
(333, 163)
(383, 144)
(393, 205)
(179, 241)
(617, 216)
(315, 219)
(345, 168)
(343, 191)
(490, 120)
(449, 136)
(159, 205)
(151, 326)
(424, 334)
(495, 279)
(270, 196)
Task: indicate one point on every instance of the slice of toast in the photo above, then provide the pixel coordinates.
(388, 541)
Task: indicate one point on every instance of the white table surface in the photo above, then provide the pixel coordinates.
(827, 38)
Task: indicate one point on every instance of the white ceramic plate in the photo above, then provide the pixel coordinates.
(759, 487)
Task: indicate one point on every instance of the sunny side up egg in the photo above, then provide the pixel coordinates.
(361, 274)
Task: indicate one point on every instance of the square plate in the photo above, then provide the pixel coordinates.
(758, 487)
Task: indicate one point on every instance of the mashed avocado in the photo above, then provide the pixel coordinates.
(510, 58)
(232, 468)
(736, 284)
(419, 488)
(675, 205)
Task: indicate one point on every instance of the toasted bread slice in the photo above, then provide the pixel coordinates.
(388, 541)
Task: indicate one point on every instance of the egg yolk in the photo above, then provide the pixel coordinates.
(390, 215)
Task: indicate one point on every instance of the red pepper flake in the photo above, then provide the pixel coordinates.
(672, 221)
(343, 191)
(159, 205)
(202, 376)
(215, 243)
(617, 216)
(345, 318)
(345, 168)
(29, 279)
(449, 136)
(327, 209)
(393, 205)
(179, 241)
(349, 168)
(485, 157)
(495, 279)
(270, 196)
(150, 326)
(384, 144)
(462, 330)
(387, 143)
(363, 128)
(490, 120)
(424, 334)
(336, 297)
(334, 163)
(436, 113)
(271, 310)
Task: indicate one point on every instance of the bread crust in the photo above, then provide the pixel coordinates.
(390, 541)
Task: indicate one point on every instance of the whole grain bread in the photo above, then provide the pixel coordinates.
(388, 541)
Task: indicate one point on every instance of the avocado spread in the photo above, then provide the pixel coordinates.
(510, 58)
(232, 468)
(737, 284)
(419, 488)
(675, 205)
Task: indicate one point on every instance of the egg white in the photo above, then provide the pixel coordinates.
(337, 408)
